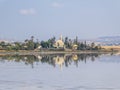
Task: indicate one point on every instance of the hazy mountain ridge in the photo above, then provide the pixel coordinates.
(109, 40)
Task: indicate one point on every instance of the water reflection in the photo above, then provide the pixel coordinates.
(61, 59)
(99, 75)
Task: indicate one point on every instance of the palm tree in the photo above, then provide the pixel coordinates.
(32, 38)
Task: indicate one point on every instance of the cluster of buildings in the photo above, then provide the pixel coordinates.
(60, 44)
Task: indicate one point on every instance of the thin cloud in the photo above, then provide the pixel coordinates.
(30, 11)
(57, 5)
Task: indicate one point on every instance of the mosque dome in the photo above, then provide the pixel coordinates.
(59, 43)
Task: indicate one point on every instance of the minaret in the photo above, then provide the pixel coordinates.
(61, 37)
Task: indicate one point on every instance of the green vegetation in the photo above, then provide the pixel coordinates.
(31, 44)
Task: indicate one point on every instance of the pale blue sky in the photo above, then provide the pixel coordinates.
(20, 19)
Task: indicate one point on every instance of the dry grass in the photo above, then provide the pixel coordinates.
(111, 47)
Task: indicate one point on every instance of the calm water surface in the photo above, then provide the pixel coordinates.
(60, 72)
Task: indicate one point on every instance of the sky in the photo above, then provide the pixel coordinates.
(43, 19)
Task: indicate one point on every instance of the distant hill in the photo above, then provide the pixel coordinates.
(109, 40)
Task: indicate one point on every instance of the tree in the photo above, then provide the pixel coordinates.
(32, 38)
(44, 44)
(17, 46)
(30, 43)
(76, 40)
(51, 42)
(70, 44)
(3, 45)
(36, 44)
(92, 45)
(81, 46)
(66, 42)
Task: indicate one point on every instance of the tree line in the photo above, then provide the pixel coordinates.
(32, 44)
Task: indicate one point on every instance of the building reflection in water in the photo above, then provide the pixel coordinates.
(59, 60)
(54, 60)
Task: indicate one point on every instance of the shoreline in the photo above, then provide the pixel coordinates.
(32, 52)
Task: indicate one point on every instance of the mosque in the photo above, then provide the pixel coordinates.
(59, 43)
